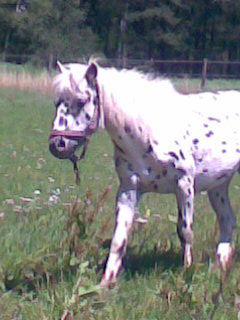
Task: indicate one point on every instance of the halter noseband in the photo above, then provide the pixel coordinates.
(76, 135)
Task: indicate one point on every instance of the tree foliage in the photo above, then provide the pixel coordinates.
(146, 29)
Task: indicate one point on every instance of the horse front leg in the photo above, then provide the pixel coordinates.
(185, 201)
(125, 209)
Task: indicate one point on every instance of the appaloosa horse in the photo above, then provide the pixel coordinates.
(164, 141)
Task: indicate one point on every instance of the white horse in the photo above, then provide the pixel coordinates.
(164, 141)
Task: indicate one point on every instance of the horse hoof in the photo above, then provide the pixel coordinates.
(107, 284)
(224, 254)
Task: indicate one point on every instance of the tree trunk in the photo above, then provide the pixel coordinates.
(6, 42)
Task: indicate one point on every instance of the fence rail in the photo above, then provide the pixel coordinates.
(204, 69)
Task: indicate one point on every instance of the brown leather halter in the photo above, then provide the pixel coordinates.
(85, 134)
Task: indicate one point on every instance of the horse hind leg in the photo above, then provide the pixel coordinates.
(220, 202)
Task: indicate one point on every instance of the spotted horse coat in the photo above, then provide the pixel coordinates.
(164, 142)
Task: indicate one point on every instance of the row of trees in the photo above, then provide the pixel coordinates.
(47, 30)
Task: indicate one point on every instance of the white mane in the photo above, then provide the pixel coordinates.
(123, 79)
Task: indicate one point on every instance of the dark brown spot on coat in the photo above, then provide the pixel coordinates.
(195, 141)
(150, 149)
(127, 129)
(173, 154)
(209, 134)
(181, 171)
(95, 101)
(214, 119)
(61, 121)
(181, 154)
(87, 116)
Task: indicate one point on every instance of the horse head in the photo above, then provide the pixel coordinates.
(77, 110)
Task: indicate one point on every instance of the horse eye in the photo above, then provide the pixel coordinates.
(58, 102)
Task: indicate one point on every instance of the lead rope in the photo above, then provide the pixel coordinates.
(74, 159)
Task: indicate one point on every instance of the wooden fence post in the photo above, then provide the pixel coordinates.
(204, 73)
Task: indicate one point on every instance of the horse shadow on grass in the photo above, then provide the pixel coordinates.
(145, 263)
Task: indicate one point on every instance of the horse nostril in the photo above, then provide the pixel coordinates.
(61, 143)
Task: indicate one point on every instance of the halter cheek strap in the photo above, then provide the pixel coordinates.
(76, 135)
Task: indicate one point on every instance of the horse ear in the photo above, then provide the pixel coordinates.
(91, 74)
(61, 68)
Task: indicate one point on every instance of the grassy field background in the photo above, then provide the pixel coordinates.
(55, 236)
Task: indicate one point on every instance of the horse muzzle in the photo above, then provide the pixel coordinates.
(62, 147)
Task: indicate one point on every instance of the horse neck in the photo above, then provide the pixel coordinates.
(108, 104)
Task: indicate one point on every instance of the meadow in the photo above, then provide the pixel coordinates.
(55, 236)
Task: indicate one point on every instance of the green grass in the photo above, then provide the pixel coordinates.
(52, 255)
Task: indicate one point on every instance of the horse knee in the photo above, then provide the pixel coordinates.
(185, 232)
